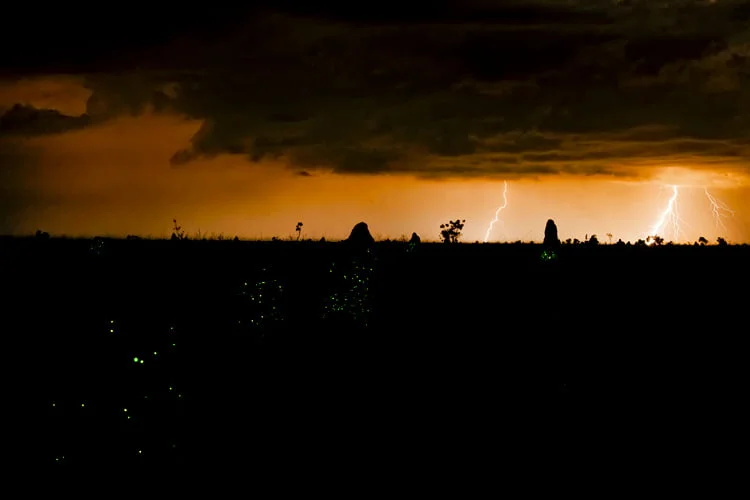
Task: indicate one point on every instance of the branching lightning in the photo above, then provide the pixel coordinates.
(669, 218)
(719, 210)
(497, 212)
(670, 222)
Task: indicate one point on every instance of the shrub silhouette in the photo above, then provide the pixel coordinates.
(451, 231)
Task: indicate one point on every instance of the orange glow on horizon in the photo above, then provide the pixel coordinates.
(115, 179)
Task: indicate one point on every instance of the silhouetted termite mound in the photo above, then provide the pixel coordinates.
(360, 236)
(550, 234)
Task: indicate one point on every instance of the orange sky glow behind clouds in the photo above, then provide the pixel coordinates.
(245, 120)
(115, 179)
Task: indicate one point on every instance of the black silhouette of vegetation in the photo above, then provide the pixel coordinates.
(450, 232)
(177, 232)
(158, 353)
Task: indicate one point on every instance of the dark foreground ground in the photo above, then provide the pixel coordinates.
(193, 353)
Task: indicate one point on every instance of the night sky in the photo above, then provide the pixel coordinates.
(246, 120)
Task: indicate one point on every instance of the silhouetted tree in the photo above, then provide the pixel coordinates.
(550, 234)
(658, 240)
(721, 241)
(451, 231)
(702, 241)
(593, 241)
(609, 236)
(299, 230)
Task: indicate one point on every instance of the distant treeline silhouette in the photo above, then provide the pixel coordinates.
(451, 232)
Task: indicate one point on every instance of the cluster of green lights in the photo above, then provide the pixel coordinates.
(263, 303)
(548, 255)
(97, 246)
(140, 360)
(351, 298)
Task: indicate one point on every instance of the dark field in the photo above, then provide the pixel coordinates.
(264, 352)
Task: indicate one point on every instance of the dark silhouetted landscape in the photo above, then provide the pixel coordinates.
(467, 241)
(186, 352)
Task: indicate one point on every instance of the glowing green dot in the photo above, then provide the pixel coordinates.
(135, 359)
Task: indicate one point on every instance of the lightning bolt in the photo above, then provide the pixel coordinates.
(669, 218)
(719, 210)
(497, 212)
(670, 221)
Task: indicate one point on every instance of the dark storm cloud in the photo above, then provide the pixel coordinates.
(470, 88)
(28, 120)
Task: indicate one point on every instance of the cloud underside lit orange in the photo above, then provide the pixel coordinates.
(115, 179)
(246, 121)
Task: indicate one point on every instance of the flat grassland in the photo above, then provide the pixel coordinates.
(182, 352)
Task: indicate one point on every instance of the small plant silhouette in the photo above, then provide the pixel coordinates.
(656, 240)
(451, 231)
(177, 232)
(299, 230)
